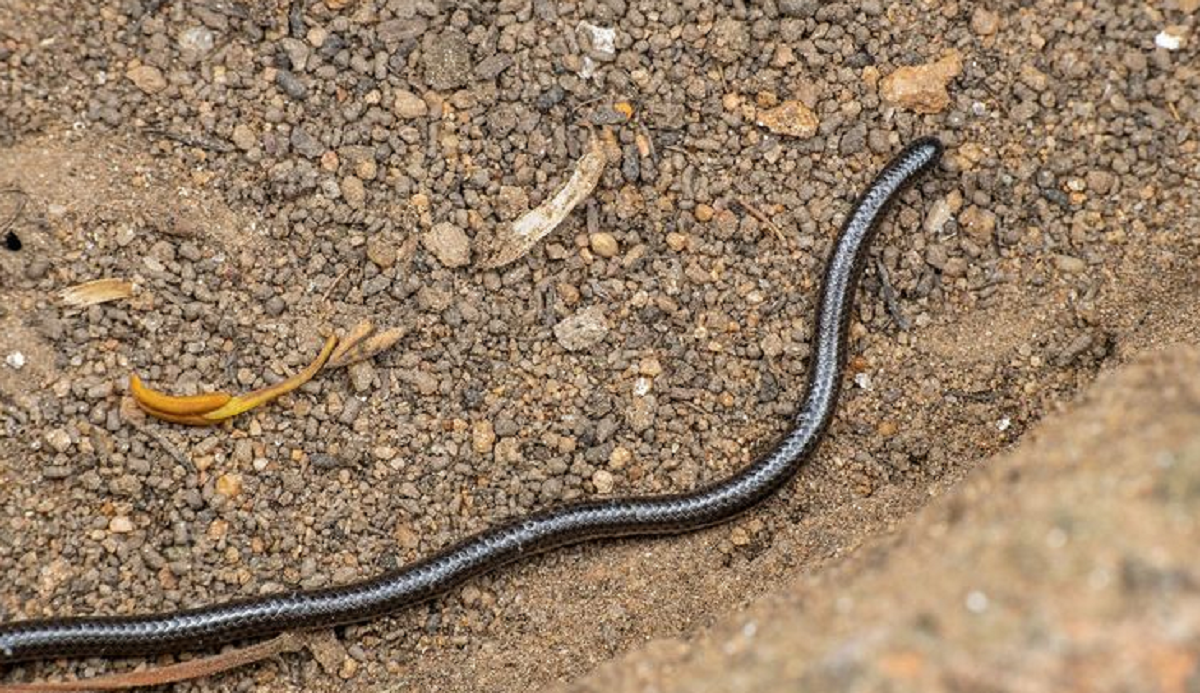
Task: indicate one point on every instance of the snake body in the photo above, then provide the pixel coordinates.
(422, 580)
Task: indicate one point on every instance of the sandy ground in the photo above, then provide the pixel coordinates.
(1068, 564)
(267, 173)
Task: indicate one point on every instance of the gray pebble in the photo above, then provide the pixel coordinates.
(291, 85)
(583, 330)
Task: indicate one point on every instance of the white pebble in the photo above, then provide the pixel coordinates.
(15, 360)
(977, 602)
(603, 481)
(198, 39)
(1168, 40)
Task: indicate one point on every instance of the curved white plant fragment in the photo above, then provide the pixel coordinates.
(515, 241)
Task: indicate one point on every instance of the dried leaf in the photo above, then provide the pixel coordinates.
(156, 401)
(248, 401)
(367, 348)
(356, 334)
(513, 242)
(99, 291)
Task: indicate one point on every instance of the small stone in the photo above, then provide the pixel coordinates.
(291, 85)
(382, 251)
(728, 40)
(120, 524)
(447, 57)
(791, 118)
(604, 244)
(483, 437)
(275, 306)
(582, 330)
(305, 144)
(771, 345)
(229, 485)
(218, 530)
(243, 137)
(922, 88)
(598, 42)
(936, 256)
(243, 451)
(641, 414)
(619, 457)
(739, 537)
(802, 9)
(198, 40)
(317, 36)
(955, 267)
(984, 22)
(409, 105)
(508, 451)
(939, 213)
(676, 241)
(349, 668)
(602, 479)
(362, 376)
(59, 440)
(511, 202)
(449, 244)
(297, 53)
(979, 223)
(15, 360)
(406, 537)
(1172, 38)
(37, 268)
(1070, 265)
(354, 192)
(492, 66)
(1100, 182)
(147, 78)
(394, 32)
(703, 213)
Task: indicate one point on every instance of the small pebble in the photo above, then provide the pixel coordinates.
(449, 244)
(604, 244)
(583, 330)
(922, 88)
(120, 524)
(147, 78)
(791, 118)
(603, 481)
(15, 360)
(408, 105)
(58, 440)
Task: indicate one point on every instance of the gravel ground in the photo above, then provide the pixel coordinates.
(265, 173)
(1068, 564)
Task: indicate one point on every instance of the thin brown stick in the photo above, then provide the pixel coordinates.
(757, 214)
(200, 141)
(183, 671)
(338, 280)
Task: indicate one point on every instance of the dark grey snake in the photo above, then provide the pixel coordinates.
(593, 519)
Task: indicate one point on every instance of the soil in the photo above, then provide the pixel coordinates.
(1068, 564)
(264, 173)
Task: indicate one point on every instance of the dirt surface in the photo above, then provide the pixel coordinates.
(1068, 565)
(265, 173)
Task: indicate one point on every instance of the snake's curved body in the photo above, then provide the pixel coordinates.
(268, 615)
